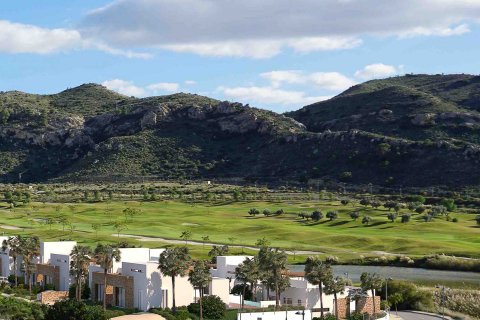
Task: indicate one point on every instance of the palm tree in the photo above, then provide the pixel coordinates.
(273, 260)
(186, 235)
(174, 262)
(13, 245)
(242, 274)
(30, 249)
(371, 281)
(317, 272)
(80, 258)
(334, 286)
(104, 256)
(200, 277)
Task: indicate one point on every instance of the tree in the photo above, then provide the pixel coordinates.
(131, 213)
(383, 148)
(263, 242)
(392, 216)
(63, 220)
(418, 198)
(200, 278)
(390, 205)
(253, 212)
(366, 220)
(354, 215)
(217, 251)
(95, 228)
(273, 261)
(372, 282)
(477, 218)
(438, 210)
(365, 202)
(316, 273)
(104, 256)
(420, 209)
(449, 204)
(213, 307)
(30, 249)
(80, 258)
(266, 212)
(427, 217)
(335, 286)
(332, 215)
(174, 262)
(186, 235)
(205, 239)
(14, 247)
(395, 299)
(344, 201)
(119, 226)
(247, 272)
(317, 215)
(49, 222)
(375, 204)
(405, 218)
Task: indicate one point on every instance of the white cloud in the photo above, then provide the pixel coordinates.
(334, 81)
(23, 38)
(190, 82)
(262, 29)
(124, 87)
(331, 80)
(130, 89)
(269, 95)
(280, 76)
(163, 86)
(376, 71)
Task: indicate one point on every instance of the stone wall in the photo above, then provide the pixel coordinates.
(113, 280)
(365, 305)
(43, 270)
(342, 307)
(50, 297)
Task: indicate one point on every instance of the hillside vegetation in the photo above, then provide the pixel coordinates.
(404, 131)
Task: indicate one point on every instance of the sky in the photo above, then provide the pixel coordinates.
(274, 54)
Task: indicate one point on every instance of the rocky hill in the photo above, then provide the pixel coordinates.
(410, 131)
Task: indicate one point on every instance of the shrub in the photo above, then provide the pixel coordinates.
(332, 215)
(354, 215)
(213, 308)
(405, 218)
(317, 215)
(74, 310)
(449, 204)
(411, 296)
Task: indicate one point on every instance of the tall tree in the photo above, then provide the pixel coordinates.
(334, 286)
(104, 256)
(273, 260)
(80, 259)
(317, 272)
(200, 277)
(14, 247)
(371, 281)
(30, 249)
(174, 262)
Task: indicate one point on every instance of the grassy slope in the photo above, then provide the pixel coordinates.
(343, 237)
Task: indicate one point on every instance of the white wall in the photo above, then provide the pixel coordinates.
(226, 266)
(220, 287)
(58, 247)
(272, 315)
(63, 262)
(136, 255)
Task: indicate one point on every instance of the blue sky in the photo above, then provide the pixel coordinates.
(275, 54)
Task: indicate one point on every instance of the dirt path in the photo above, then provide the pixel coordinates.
(198, 243)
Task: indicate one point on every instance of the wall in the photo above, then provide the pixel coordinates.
(51, 271)
(226, 266)
(62, 261)
(58, 247)
(114, 280)
(50, 297)
(365, 305)
(220, 287)
(137, 255)
(288, 315)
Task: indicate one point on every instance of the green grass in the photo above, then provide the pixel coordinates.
(343, 237)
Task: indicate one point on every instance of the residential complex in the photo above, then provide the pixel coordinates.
(136, 282)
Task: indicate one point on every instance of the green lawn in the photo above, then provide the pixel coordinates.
(343, 237)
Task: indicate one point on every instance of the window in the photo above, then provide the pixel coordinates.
(299, 302)
(289, 301)
(120, 297)
(99, 292)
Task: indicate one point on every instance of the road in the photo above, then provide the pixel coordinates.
(406, 315)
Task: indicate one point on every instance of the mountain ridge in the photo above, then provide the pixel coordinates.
(395, 131)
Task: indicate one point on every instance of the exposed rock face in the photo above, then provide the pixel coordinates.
(149, 120)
